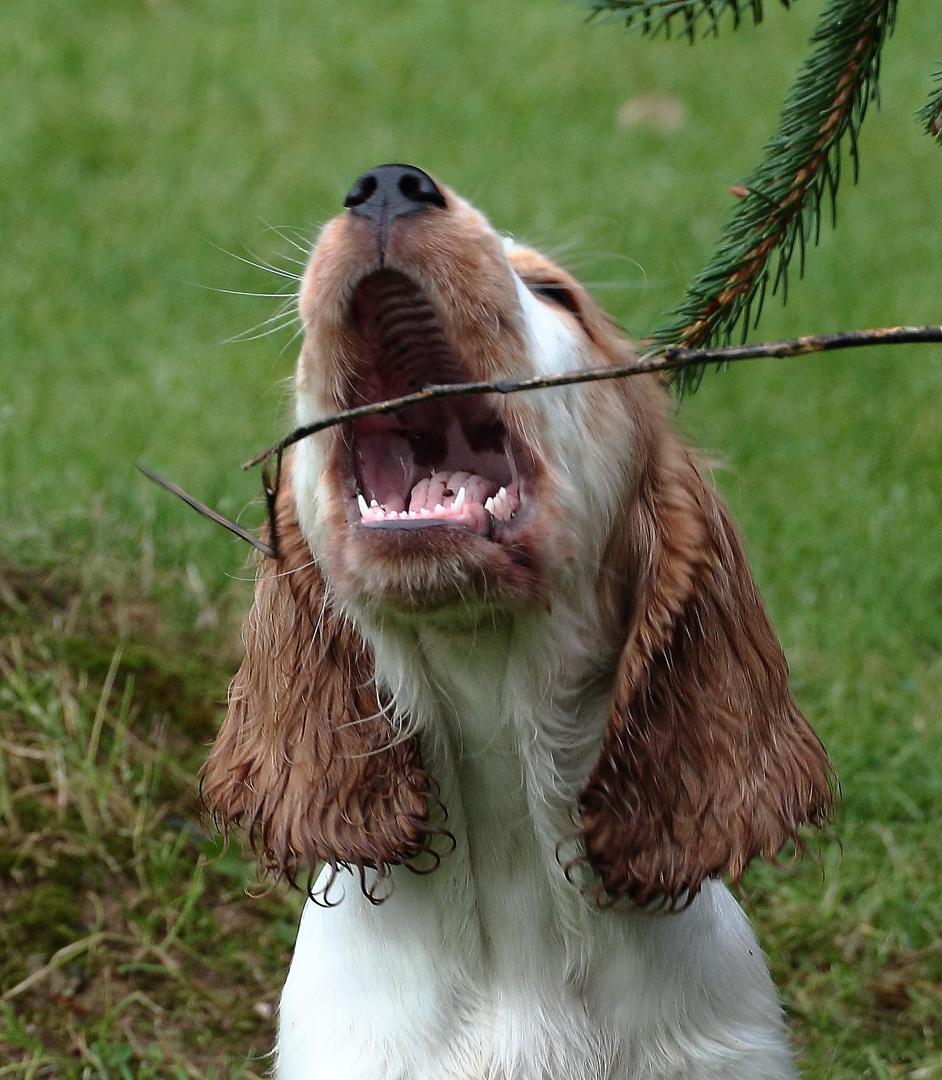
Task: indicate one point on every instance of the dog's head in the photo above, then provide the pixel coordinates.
(451, 501)
(476, 505)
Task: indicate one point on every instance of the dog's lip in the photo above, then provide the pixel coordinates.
(461, 447)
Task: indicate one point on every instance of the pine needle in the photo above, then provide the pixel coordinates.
(654, 16)
(930, 114)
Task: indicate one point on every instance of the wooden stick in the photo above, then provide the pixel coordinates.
(665, 360)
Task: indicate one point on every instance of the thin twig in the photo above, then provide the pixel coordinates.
(202, 508)
(664, 360)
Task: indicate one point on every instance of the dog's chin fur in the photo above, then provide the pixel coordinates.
(441, 567)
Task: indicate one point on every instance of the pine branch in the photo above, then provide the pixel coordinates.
(779, 214)
(653, 16)
(931, 113)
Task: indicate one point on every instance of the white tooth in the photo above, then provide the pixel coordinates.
(373, 502)
(439, 509)
(489, 504)
(459, 500)
(361, 502)
(425, 512)
(502, 494)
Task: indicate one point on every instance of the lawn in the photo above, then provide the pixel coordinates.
(165, 164)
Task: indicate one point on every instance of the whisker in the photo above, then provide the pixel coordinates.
(270, 326)
(303, 245)
(256, 262)
(297, 570)
(246, 292)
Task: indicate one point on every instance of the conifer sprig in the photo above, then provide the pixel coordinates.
(779, 213)
(931, 113)
(653, 16)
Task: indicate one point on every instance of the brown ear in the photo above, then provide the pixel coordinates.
(706, 761)
(305, 756)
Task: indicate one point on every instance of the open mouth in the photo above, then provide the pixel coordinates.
(439, 463)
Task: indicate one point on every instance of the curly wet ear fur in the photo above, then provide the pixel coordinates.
(706, 761)
(306, 757)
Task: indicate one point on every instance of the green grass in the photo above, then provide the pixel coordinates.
(143, 142)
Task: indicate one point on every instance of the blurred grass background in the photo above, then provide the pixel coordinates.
(153, 155)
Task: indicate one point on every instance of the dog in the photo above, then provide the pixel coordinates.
(510, 684)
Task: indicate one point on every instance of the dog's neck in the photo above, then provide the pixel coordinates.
(509, 711)
(500, 686)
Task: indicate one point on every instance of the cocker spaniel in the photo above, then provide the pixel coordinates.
(509, 685)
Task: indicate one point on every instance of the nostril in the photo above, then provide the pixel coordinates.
(418, 187)
(393, 191)
(361, 191)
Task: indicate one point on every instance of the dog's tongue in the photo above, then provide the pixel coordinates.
(461, 498)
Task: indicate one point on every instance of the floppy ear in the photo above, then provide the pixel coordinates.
(305, 756)
(706, 761)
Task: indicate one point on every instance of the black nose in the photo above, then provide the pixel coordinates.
(392, 191)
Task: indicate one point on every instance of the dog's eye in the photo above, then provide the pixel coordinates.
(554, 293)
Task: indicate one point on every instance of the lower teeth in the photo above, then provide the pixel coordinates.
(500, 506)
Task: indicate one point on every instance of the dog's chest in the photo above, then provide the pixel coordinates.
(427, 986)
(406, 991)
(495, 966)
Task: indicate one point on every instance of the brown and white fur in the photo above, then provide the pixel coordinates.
(525, 736)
